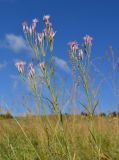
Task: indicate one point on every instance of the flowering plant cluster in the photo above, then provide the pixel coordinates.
(42, 45)
(37, 40)
(78, 56)
(80, 60)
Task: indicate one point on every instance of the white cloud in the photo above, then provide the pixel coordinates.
(62, 64)
(3, 65)
(14, 77)
(14, 43)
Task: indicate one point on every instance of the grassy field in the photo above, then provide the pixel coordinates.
(46, 138)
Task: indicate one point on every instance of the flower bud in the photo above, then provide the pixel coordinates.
(46, 19)
(34, 24)
(25, 27)
(73, 46)
(88, 41)
(20, 66)
(43, 66)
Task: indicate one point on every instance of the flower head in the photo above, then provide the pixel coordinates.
(34, 23)
(46, 19)
(88, 41)
(20, 66)
(30, 66)
(73, 46)
(25, 27)
(35, 20)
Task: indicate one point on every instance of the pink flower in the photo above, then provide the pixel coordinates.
(80, 55)
(25, 27)
(41, 37)
(34, 23)
(73, 46)
(30, 66)
(20, 66)
(35, 20)
(88, 41)
(46, 19)
(31, 73)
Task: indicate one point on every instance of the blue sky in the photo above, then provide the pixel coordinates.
(72, 19)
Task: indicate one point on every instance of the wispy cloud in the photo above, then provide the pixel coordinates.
(15, 79)
(15, 43)
(3, 65)
(62, 64)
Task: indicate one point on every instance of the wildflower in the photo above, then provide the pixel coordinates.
(31, 71)
(41, 37)
(46, 19)
(30, 66)
(25, 27)
(80, 55)
(48, 25)
(20, 66)
(34, 23)
(88, 41)
(42, 66)
(73, 46)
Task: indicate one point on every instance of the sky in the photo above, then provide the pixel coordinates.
(72, 19)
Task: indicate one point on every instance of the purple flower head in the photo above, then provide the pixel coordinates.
(35, 20)
(30, 66)
(20, 66)
(46, 19)
(25, 27)
(34, 23)
(88, 41)
(73, 46)
(80, 54)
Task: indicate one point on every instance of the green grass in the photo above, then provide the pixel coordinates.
(77, 138)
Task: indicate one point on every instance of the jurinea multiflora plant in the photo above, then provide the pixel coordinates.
(42, 45)
(80, 61)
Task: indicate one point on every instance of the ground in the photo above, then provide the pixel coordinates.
(48, 138)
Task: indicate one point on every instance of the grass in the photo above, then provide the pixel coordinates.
(77, 138)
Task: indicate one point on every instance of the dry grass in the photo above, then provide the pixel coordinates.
(45, 138)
